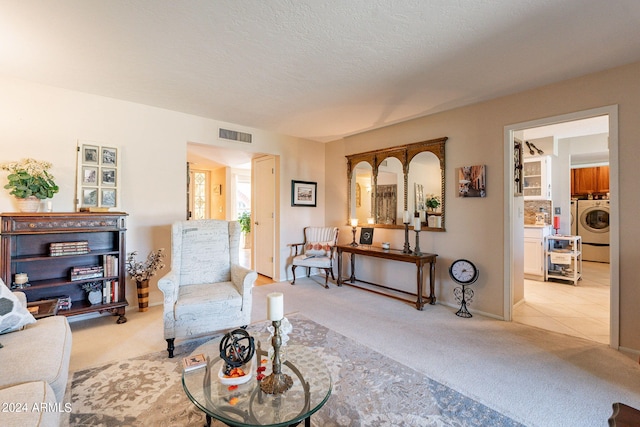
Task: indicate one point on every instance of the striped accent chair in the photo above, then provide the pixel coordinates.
(317, 251)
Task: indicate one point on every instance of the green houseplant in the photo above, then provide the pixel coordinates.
(245, 227)
(29, 178)
(245, 222)
(433, 202)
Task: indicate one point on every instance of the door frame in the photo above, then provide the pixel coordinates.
(509, 228)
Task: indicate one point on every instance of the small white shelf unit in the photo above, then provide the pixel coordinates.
(563, 258)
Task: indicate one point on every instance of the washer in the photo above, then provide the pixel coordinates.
(593, 227)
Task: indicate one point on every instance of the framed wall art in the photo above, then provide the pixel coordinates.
(472, 181)
(98, 177)
(303, 193)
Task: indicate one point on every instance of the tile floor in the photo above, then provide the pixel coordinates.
(580, 311)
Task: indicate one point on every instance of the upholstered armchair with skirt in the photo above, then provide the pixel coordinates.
(206, 290)
(317, 251)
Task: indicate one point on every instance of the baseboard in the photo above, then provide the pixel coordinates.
(633, 353)
(478, 312)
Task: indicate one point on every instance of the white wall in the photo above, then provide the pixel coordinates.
(45, 123)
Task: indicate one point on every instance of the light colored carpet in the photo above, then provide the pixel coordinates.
(533, 376)
(369, 389)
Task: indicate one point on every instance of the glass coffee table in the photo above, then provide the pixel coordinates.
(246, 404)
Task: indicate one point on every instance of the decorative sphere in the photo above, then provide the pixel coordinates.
(236, 348)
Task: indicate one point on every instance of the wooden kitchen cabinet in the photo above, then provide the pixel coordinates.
(586, 181)
(44, 246)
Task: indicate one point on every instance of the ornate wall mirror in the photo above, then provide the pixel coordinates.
(382, 184)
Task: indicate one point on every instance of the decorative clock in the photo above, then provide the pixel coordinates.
(463, 272)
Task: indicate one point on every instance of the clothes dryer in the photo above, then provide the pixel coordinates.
(574, 218)
(593, 227)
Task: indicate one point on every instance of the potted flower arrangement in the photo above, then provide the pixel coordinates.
(433, 202)
(30, 182)
(94, 291)
(142, 271)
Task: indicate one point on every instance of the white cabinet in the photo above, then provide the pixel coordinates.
(563, 258)
(534, 251)
(536, 176)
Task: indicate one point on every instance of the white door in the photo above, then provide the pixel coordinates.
(264, 210)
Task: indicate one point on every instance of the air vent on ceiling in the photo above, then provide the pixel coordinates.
(234, 135)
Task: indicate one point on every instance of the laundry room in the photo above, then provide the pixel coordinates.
(565, 186)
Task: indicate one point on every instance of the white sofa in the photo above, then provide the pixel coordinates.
(34, 369)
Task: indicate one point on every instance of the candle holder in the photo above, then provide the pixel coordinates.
(407, 248)
(277, 382)
(353, 230)
(416, 251)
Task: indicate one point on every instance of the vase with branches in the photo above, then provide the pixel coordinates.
(142, 271)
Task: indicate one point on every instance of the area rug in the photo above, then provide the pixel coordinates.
(369, 389)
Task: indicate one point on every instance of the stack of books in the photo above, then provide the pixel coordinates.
(82, 273)
(110, 292)
(110, 263)
(64, 302)
(69, 248)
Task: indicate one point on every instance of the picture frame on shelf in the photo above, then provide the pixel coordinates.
(366, 235)
(303, 193)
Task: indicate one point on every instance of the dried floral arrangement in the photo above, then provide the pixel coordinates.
(29, 177)
(141, 271)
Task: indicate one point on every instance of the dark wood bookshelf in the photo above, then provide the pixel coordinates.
(25, 240)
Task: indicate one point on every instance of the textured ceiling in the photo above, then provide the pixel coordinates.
(318, 69)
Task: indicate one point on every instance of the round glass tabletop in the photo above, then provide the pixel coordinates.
(246, 404)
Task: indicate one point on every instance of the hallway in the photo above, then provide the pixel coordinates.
(580, 311)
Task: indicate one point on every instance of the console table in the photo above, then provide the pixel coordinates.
(394, 255)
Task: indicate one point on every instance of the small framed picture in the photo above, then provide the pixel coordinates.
(109, 156)
(366, 236)
(303, 193)
(89, 175)
(108, 198)
(89, 196)
(108, 177)
(90, 154)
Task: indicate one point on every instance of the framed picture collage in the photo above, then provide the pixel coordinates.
(98, 177)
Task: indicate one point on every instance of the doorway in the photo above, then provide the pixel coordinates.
(232, 189)
(594, 272)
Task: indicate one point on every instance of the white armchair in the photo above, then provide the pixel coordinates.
(206, 290)
(318, 251)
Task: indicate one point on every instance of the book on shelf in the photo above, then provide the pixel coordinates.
(196, 361)
(110, 292)
(110, 263)
(82, 273)
(69, 248)
(93, 209)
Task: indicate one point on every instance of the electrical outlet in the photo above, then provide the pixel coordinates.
(556, 211)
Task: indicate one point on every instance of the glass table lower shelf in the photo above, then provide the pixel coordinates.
(246, 404)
